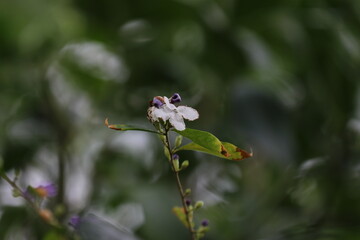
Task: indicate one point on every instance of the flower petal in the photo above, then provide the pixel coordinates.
(177, 122)
(163, 113)
(188, 113)
(168, 104)
(51, 190)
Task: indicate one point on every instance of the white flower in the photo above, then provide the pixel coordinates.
(175, 115)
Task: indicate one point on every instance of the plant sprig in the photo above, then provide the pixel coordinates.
(166, 117)
(174, 163)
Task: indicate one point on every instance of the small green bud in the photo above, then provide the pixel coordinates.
(162, 137)
(187, 192)
(16, 193)
(190, 209)
(166, 152)
(199, 204)
(178, 141)
(176, 164)
(184, 165)
(175, 159)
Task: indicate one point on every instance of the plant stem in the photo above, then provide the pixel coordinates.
(180, 188)
(19, 190)
(30, 201)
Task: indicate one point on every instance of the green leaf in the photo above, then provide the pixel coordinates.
(208, 143)
(125, 127)
(232, 152)
(203, 139)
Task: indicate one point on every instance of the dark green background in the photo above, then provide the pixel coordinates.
(278, 77)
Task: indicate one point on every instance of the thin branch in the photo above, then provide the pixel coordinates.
(19, 190)
(180, 188)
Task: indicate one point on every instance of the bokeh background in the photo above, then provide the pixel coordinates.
(280, 78)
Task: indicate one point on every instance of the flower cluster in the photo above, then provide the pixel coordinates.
(49, 190)
(41, 191)
(163, 108)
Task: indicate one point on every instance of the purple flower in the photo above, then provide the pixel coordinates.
(175, 98)
(205, 223)
(49, 190)
(74, 221)
(175, 157)
(187, 202)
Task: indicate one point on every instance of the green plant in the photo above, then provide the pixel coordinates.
(167, 117)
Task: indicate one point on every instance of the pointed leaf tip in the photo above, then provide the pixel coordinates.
(111, 126)
(245, 154)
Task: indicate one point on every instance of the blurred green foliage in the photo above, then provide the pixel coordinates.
(279, 77)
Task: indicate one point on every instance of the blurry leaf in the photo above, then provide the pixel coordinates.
(180, 214)
(12, 216)
(125, 127)
(92, 227)
(130, 215)
(53, 236)
(208, 143)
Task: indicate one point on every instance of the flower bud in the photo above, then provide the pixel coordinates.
(199, 204)
(176, 162)
(205, 223)
(184, 165)
(175, 98)
(187, 202)
(16, 193)
(47, 216)
(48, 190)
(178, 141)
(167, 153)
(187, 191)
